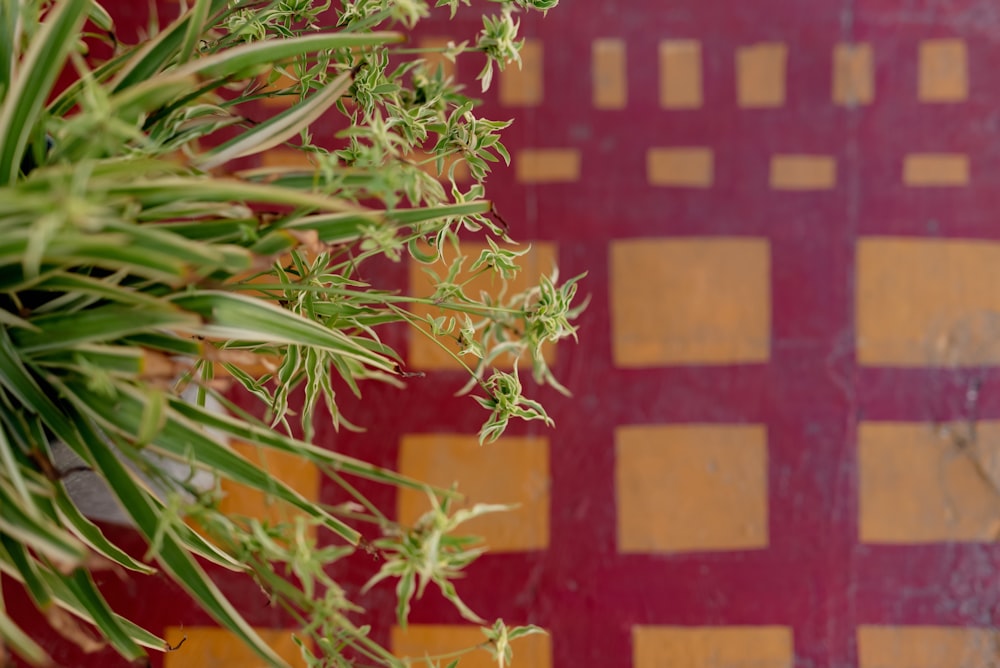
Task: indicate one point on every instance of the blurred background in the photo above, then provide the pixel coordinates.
(781, 449)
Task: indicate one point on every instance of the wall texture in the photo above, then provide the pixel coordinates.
(784, 445)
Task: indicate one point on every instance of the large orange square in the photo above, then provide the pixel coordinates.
(927, 302)
(297, 472)
(803, 172)
(926, 647)
(214, 647)
(680, 167)
(690, 301)
(760, 75)
(712, 647)
(924, 483)
(943, 73)
(424, 353)
(936, 170)
(425, 640)
(513, 470)
(688, 488)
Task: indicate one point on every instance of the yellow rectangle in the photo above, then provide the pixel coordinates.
(219, 648)
(610, 78)
(926, 647)
(936, 169)
(943, 71)
(803, 172)
(680, 74)
(712, 647)
(547, 165)
(514, 470)
(691, 488)
(428, 354)
(853, 74)
(690, 301)
(524, 86)
(760, 75)
(418, 641)
(927, 302)
(925, 483)
(690, 167)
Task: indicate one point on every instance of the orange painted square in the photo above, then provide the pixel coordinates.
(690, 301)
(524, 86)
(610, 73)
(424, 353)
(297, 472)
(926, 647)
(547, 165)
(511, 470)
(760, 75)
(691, 488)
(680, 74)
(936, 170)
(422, 640)
(687, 167)
(924, 483)
(853, 74)
(927, 302)
(803, 172)
(435, 59)
(943, 71)
(211, 646)
(712, 647)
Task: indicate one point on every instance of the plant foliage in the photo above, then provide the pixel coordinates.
(142, 255)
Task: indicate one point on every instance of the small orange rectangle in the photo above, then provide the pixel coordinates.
(936, 169)
(760, 75)
(712, 647)
(297, 472)
(944, 75)
(609, 71)
(803, 172)
(926, 647)
(524, 86)
(853, 74)
(547, 165)
(689, 167)
(680, 74)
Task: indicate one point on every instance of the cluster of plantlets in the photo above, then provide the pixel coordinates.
(137, 261)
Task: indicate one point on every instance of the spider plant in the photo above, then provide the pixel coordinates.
(143, 255)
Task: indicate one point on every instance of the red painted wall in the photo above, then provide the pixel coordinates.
(805, 327)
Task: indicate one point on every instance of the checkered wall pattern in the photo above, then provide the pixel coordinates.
(795, 272)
